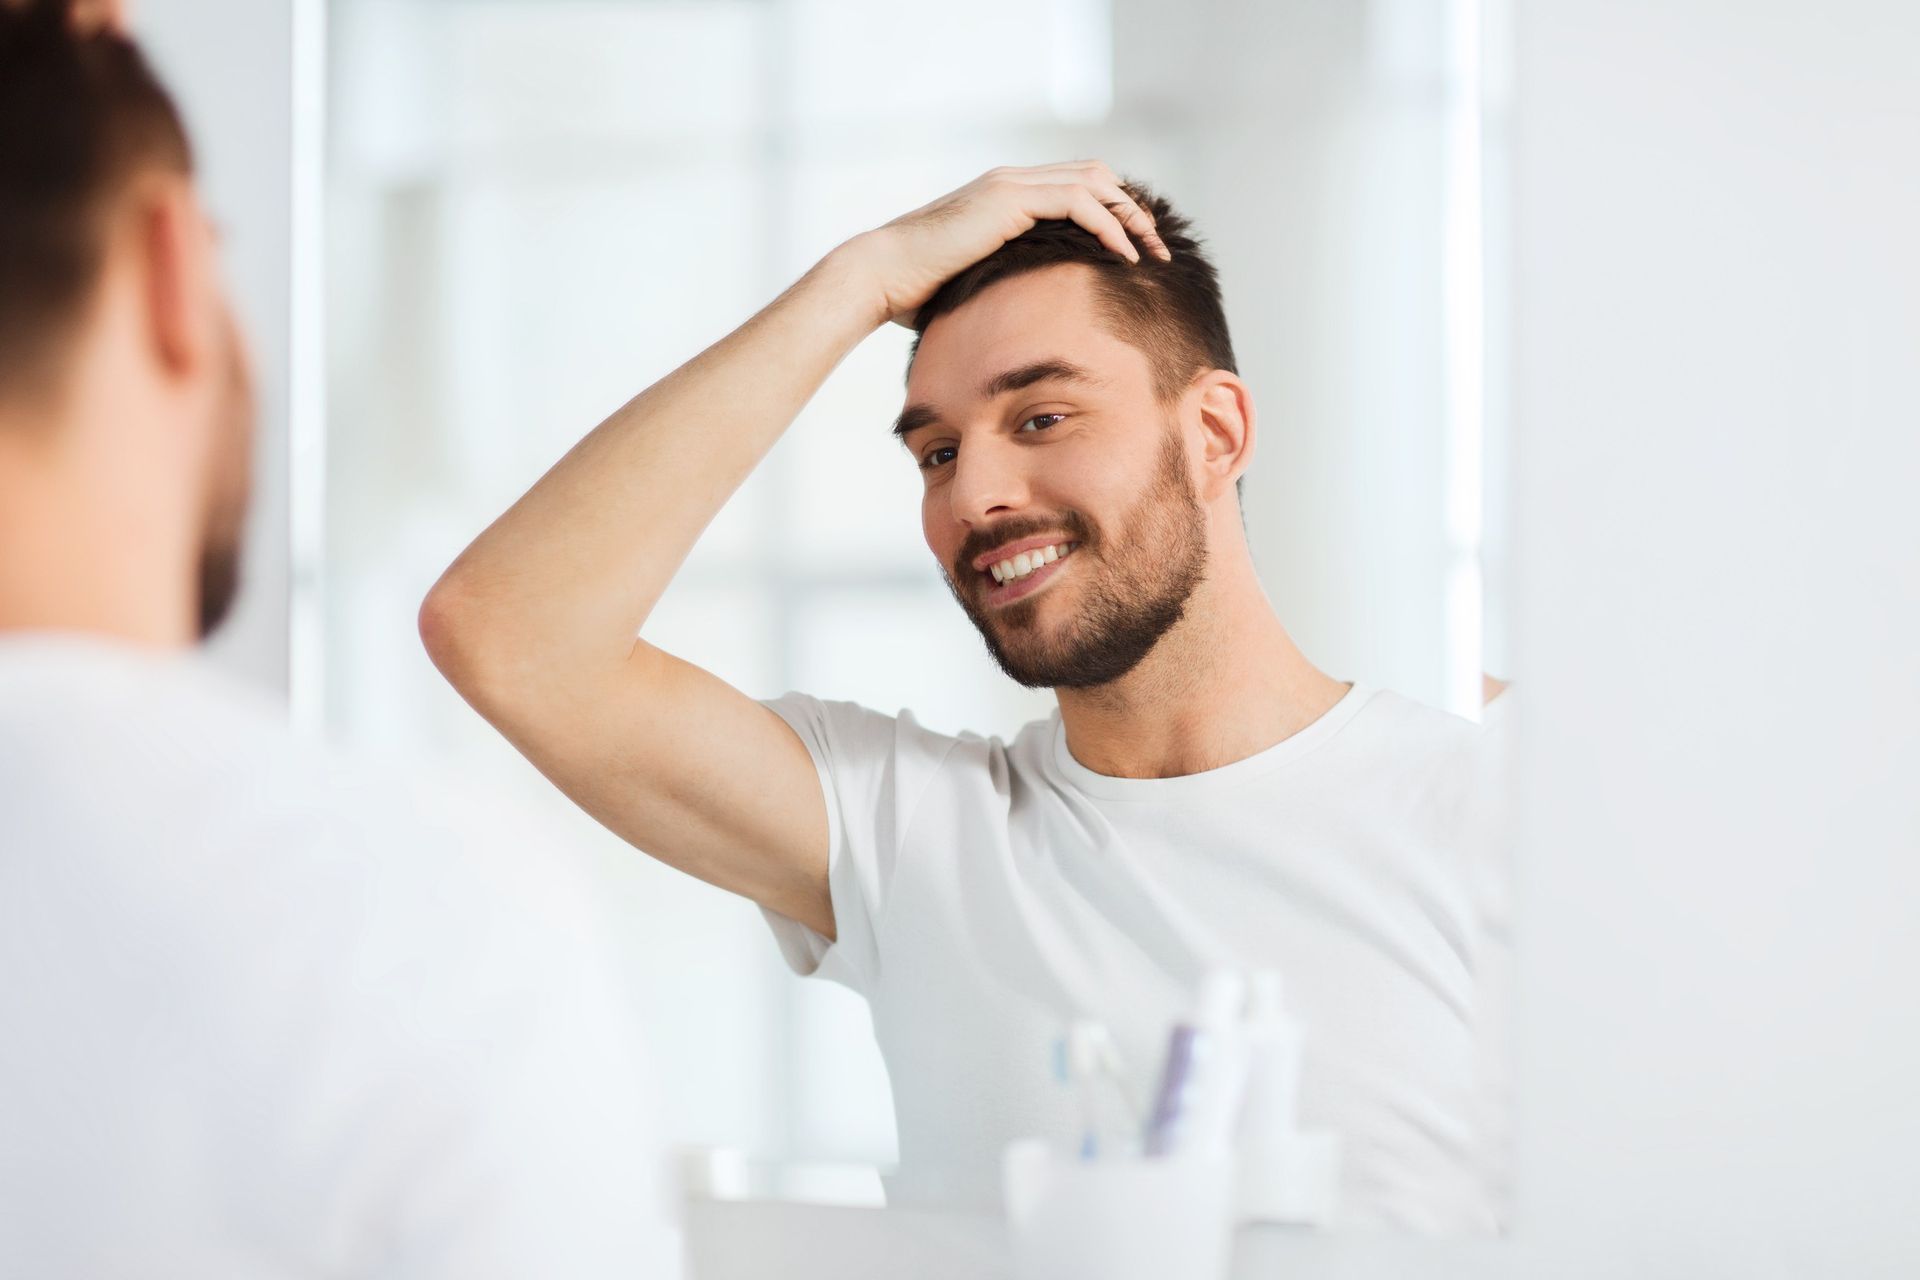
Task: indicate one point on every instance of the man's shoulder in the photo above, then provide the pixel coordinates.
(856, 727)
(163, 778)
(96, 737)
(1406, 726)
(1413, 747)
(1439, 764)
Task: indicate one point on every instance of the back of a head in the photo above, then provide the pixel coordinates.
(81, 114)
(1171, 310)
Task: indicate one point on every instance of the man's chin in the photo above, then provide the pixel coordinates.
(1065, 656)
(1029, 661)
(1025, 646)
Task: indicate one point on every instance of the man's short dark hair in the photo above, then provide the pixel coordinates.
(80, 115)
(1170, 310)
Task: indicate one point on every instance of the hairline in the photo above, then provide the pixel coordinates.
(1108, 295)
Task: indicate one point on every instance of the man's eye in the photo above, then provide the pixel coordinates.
(933, 458)
(1048, 419)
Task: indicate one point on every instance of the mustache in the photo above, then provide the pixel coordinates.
(981, 541)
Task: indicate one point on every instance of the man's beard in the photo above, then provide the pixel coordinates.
(1133, 591)
(219, 584)
(229, 486)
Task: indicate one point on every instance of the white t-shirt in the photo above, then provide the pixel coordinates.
(987, 893)
(262, 1014)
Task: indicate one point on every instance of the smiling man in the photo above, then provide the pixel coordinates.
(1203, 797)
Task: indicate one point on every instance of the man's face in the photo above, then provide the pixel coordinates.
(1036, 428)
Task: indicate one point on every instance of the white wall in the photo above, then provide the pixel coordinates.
(1314, 160)
(1717, 395)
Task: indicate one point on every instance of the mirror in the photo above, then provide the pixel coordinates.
(535, 209)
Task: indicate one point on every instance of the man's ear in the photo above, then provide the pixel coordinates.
(89, 16)
(175, 264)
(1226, 427)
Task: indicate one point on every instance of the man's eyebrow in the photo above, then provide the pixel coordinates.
(1016, 379)
(914, 417)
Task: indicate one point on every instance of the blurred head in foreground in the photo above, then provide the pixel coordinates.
(126, 416)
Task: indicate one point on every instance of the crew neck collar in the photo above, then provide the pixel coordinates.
(1280, 753)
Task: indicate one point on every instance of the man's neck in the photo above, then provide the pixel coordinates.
(75, 558)
(1226, 683)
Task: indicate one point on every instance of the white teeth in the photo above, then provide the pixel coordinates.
(1026, 562)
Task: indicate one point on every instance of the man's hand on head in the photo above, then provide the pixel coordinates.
(909, 258)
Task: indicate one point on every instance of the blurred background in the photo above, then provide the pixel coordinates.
(535, 208)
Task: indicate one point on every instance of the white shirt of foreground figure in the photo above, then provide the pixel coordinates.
(987, 893)
(265, 1015)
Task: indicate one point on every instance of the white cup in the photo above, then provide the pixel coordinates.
(1133, 1218)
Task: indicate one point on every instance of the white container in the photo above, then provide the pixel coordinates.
(1137, 1218)
(1286, 1175)
(1274, 1046)
(1295, 1183)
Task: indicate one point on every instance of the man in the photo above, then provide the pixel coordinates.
(1204, 795)
(264, 1014)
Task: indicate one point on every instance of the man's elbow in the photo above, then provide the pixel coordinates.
(479, 645)
(451, 633)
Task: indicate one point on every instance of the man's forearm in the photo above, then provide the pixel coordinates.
(570, 572)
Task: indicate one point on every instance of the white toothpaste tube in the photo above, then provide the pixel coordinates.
(1198, 1098)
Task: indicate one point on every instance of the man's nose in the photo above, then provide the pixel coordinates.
(989, 480)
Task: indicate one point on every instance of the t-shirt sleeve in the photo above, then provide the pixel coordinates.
(873, 769)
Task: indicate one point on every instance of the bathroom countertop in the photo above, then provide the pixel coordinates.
(757, 1239)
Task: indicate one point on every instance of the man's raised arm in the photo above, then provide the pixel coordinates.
(538, 622)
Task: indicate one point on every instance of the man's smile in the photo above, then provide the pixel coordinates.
(1019, 576)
